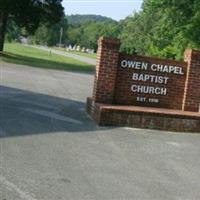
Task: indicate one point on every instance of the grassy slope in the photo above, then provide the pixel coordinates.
(20, 54)
(78, 53)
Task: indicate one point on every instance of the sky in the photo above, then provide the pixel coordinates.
(116, 9)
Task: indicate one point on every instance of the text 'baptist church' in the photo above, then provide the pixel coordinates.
(150, 78)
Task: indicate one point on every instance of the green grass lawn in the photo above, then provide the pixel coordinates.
(25, 55)
(78, 53)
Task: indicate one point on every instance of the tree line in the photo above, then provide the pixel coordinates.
(83, 30)
(162, 28)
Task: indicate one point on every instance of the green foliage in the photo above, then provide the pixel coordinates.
(74, 35)
(28, 14)
(50, 35)
(84, 30)
(163, 28)
(87, 34)
(13, 31)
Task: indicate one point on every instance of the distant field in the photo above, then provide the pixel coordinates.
(24, 55)
(78, 53)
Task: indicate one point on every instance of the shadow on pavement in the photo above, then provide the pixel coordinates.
(26, 113)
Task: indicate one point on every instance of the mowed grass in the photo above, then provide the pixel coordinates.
(77, 53)
(26, 55)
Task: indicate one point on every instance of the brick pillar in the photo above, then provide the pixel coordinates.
(191, 100)
(106, 70)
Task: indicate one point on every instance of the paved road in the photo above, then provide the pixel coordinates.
(51, 150)
(91, 61)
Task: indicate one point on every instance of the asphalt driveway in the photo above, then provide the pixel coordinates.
(51, 150)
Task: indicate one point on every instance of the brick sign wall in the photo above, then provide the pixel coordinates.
(146, 81)
(151, 82)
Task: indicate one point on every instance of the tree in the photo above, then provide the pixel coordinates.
(13, 31)
(50, 35)
(86, 34)
(74, 35)
(29, 14)
(162, 28)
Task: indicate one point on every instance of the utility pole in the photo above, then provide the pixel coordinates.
(61, 34)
